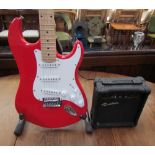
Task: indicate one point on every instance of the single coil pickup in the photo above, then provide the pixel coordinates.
(52, 79)
(51, 92)
(49, 65)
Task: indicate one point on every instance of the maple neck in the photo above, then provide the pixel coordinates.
(47, 35)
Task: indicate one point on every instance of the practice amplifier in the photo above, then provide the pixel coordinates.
(118, 102)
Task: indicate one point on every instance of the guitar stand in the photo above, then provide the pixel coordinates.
(20, 126)
(88, 127)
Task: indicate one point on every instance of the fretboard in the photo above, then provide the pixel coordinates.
(47, 35)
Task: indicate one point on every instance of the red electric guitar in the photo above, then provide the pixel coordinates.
(49, 93)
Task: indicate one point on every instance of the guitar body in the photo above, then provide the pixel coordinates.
(40, 82)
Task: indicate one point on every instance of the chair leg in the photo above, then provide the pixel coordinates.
(152, 43)
(153, 46)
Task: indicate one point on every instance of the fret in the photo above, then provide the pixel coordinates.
(47, 35)
(43, 28)
(48, 40)
(48, 60)
(50, 50)
(47, 23)
(44, 25)
(46, 29)
(47, 45)
(49, 56)
(44, 42)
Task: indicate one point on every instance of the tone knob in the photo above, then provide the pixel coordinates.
(80, 102)
(73, 97)
(64, 93)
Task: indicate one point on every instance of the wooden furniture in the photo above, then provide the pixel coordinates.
(125, 62)
(96, 20)
(91, 41)
(70, 12)
(124, 26)
(95, 29)
(64, 20)
(124, 23)
(132, 16)
(60, 25)
(123, 32)
(151, 31)
(86, 13)
(142, 134)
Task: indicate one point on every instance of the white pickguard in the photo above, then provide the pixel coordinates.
(57, 79)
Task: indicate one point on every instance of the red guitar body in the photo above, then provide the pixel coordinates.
(25, 102)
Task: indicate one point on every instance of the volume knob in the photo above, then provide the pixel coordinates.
(75, 90)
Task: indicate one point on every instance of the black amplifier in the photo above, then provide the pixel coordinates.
(118, 102)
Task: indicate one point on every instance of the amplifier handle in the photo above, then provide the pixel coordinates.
(122, 81)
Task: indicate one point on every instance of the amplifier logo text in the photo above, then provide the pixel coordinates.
(109, 104)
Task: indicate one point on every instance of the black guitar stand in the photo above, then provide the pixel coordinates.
(20, 126)
(88, 127)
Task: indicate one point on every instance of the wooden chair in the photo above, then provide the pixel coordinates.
(70, 12)
(130, 16)
(95, 18)
(86, 14)
(64, 20)
(124, 23)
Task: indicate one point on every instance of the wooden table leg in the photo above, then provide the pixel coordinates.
(120, 39)
(112, 37)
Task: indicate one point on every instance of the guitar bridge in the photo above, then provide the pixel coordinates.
(51, 102)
